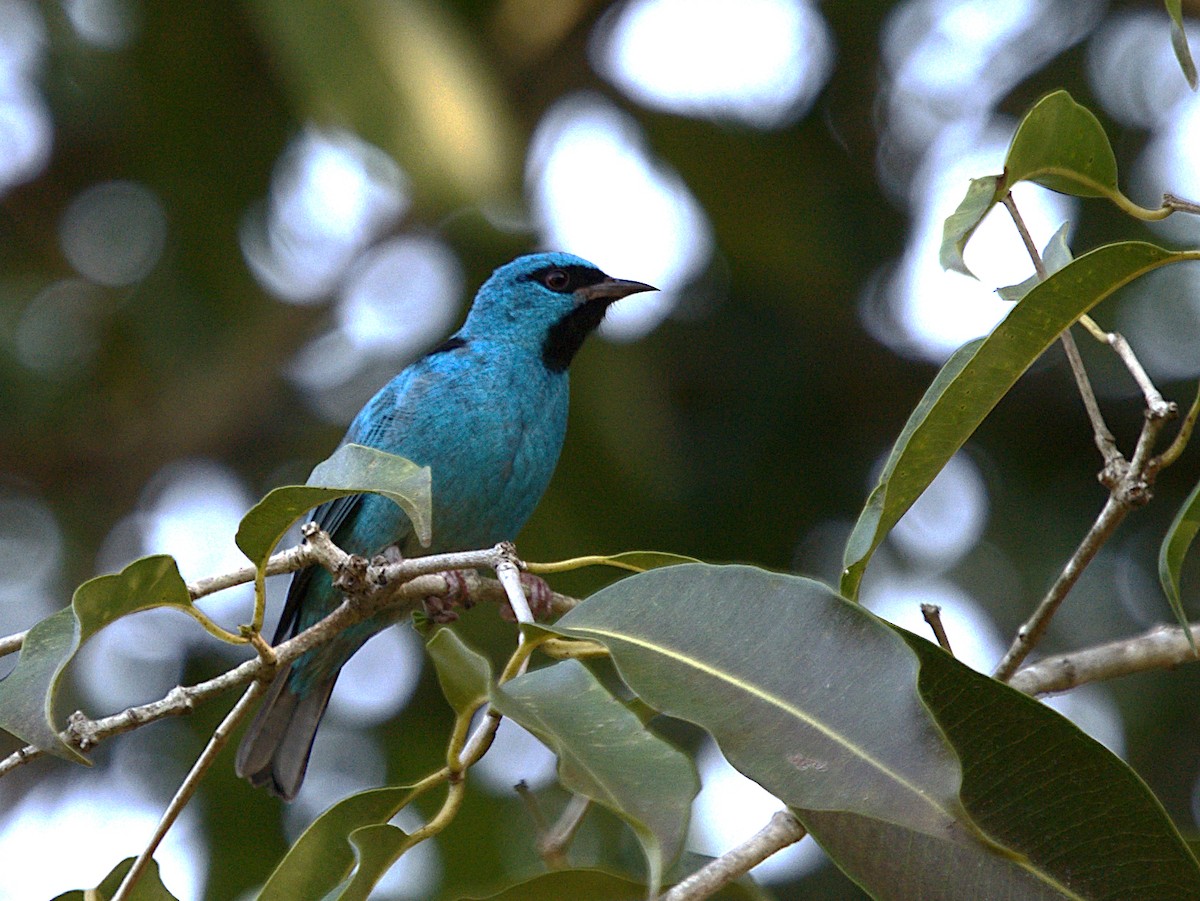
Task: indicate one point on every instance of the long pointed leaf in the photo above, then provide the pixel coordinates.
(1173, 552)
(978, 375)
(1179, 43)
(846, 718)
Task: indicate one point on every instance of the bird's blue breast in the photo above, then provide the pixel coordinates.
(490, 433)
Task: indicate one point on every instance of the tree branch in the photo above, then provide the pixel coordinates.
(1129, 488)
(369, 588)
(783, 830)
(1162, 647)
(331, 557)
(219, 739)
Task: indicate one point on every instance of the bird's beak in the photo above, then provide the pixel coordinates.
(612, 290)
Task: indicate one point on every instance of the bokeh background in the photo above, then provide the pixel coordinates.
(224, 225)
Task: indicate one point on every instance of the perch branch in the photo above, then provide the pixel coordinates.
(369, 587)
(1162, 647)
(783, 830)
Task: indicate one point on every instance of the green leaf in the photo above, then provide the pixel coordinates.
(607, 754)
(749, 655)
(1055, 256)
(978, 375)
(982, 195)
(1172, 553)
(922, 778)
(1044, 789)
(323, 857)
(149, 886)
(1179, 43)
(464, 674)
(1062, 146)
(353, 469)
(376, 848)
(27, 694)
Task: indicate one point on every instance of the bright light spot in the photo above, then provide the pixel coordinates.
(400, 296)
(30, 542)
(332, 194)
(1092, 709)
(598, 193)
(1162, 323)
(56, 334)
(26, 131)
(946, 60)
(515, 756)
(973, 635)
(101, 821)
(26, 134)
(731, 808)
(106, 24)
(114, 232)
(760, 62)
(378, 681)
(1133, 71)
(192, 512)
(923, 310)
(1171, 162)
(22, 40)
(948, 518)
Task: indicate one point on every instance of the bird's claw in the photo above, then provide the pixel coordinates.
(538, 593)
(440, 608)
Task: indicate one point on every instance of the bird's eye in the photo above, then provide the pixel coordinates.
(556, 280)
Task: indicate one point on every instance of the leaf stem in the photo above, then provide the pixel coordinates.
(1171, 454)
(932, 615)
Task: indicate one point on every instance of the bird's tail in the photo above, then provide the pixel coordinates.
(275, 749)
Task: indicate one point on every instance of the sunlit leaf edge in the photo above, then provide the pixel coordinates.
(946, 417)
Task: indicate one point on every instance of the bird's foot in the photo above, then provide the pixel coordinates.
(441, 608)
(391, 554)
(538, 593)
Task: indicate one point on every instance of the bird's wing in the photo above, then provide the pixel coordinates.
(329, 516)
(377, 425)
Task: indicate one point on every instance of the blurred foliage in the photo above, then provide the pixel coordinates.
(736, 431)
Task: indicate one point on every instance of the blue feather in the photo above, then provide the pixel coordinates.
(487, 412)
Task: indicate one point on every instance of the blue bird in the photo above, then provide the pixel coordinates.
(487, 412)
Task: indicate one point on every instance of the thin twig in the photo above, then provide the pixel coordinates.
(1026, 238)
(1161, 648)
(1102, 435)
(10, 644)
(1105, 442)
(1181, 204)
(932, 614)
(1129, 488)
(552, 847)
(188, 788)
(382, 585)
(1034, 628)
(783, 830)
(328, 555)
(1154, 400)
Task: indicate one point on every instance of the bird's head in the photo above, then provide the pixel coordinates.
(552, 301)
